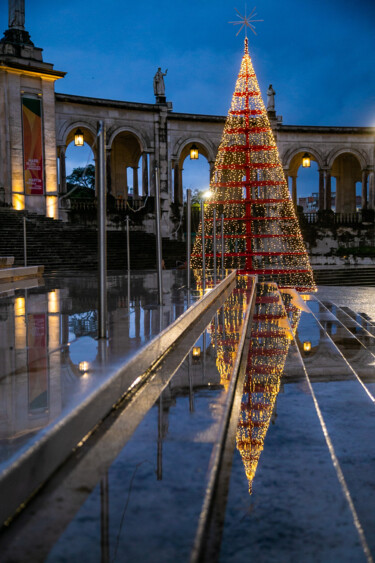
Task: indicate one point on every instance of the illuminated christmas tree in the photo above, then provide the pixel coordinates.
(261, 230)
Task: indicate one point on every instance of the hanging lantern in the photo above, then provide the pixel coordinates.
(194, 153)
(78, 138)
(306, 160)
(307, 346)
(196, 353)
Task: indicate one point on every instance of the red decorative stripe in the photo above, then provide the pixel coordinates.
(252, 201)
(245, 148)
(244, 184)
(248, 112)
(246, 75)
(244, 130)
(271, 271)
(256, 219)
(248, 94)
(255, 165)
(210, 254)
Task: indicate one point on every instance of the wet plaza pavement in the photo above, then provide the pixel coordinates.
(300, 483)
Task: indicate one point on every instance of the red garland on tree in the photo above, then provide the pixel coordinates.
(248, 187)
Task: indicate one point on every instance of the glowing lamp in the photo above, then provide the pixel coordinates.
(196, 352)
(78, 138)
(194, 153)
(307, 346)
(306, 160)
(207, 194)
(83, 367)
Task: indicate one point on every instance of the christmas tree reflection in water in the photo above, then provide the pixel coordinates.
(275, 322)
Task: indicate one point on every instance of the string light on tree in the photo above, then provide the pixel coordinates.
(261, 230)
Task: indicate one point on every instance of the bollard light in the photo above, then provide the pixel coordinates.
(306, 160)
(83, 367)
(78, 138)
(196, 353)
(194, 153)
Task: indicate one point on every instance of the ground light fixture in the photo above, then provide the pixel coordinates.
(194, 153)
(306, 160)
(196, 353)
(83, 367)
(78, 138)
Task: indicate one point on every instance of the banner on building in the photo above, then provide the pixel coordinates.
(32, 145)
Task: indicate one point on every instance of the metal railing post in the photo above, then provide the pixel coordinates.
(24, 243)
(203, 248)
(102, 234)
(128, 255)
(158, 238)
(188, 235)
(222, 243)
(214, 245)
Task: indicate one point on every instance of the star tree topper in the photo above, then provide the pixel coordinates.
(246, 21)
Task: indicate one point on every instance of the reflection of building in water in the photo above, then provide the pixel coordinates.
(39, 373)
(273, 326)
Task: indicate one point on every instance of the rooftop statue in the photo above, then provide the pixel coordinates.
(16, 14)
(271, 98)
(159, 86)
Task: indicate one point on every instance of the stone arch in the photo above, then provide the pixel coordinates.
(67, 131)
(346, 167)
(334, 153)
(293, 152)
(292, 161)
(141, 136)
(181, 152)
(182, 148)
(125, 148)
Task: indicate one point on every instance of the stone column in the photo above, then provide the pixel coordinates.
(371, 181)
(62, 169)
(126, 183)
(321, 190)
(135, 182)
(176, 187)
(364, 189)
(294, 191)
(109, 171)
(328, 198)
(144, 174)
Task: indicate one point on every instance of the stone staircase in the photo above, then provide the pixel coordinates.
(63, 246)
(345, 276)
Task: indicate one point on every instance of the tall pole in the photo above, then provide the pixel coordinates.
(203, 248)
(222, 243)
(128, 255)
(158, 238)
(214, 245)
(24, 243)
(188, 235)
(102, 234)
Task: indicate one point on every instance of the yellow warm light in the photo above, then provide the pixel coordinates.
(52, 207)
(53, 333)
(83, 367)
(307, 346)
(194, 153)
(306, 161)
(53, 301)
(207, 194)
(196, 352)
(18, 201)
(78, 138)
(19, 306)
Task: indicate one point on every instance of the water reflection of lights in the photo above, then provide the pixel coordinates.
(275, 323)
(307, 346)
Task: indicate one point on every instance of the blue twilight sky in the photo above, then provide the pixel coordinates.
(319, 55)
